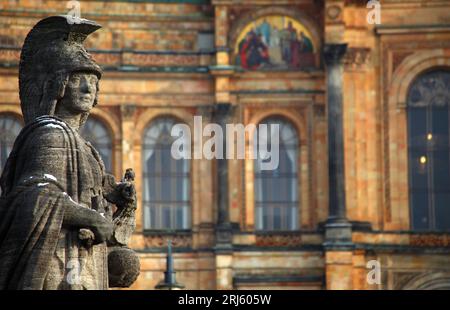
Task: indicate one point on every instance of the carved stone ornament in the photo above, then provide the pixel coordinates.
(334, 12)
(357, 56)
(160, 240)
(64, 222)
(430, 89)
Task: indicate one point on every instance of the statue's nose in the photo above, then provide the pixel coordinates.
(87, 86)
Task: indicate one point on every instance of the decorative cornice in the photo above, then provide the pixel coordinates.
(278, 240)
(430, 240)
(277, 278)
(127, 60)
(277, 91)
(200, 2)
(357, 56)
(222, 70)
(128, 111)
(298, 248)
(159, 240)
(390, 248)
(257, 2)
(410, 29)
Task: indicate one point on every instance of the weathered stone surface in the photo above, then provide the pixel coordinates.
(123, 267)
(57, 214)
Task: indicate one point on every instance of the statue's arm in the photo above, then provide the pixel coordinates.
(78, 217)
(41, 157)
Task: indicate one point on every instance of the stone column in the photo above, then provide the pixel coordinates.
(222, 114)
(128, 160)
(203, 218)
(127, 112)
(224, 234)
(338, 228)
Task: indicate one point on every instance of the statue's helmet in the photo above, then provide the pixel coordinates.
(52, 50)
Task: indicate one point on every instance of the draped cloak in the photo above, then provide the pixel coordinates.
(49, 165)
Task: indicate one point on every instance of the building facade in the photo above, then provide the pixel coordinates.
(373, 191)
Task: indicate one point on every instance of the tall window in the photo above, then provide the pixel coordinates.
(10, 128)
(166, 180)
(276, 191)
(429, 151)
(98, 135)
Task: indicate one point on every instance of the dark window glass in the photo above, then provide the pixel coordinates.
(276, 191)
(429, 152)
(10, 127)
(95, 132)
(166, 180)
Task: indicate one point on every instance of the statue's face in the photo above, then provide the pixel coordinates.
(80, 92)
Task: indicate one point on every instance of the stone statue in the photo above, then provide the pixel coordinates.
(64, 222)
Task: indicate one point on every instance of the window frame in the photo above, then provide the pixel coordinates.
(17, 119)
(110, 133)
(147, 229)
(429, 149)
(293, 176)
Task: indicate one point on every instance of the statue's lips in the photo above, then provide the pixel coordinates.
(86, 98)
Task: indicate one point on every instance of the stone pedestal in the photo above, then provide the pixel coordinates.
(224, 271)
(338, 268)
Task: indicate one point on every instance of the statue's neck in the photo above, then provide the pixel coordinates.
(71, 119)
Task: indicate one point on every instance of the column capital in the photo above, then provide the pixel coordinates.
(224, 111)
(334, 53)
(223, 107)
(206, 111)
(128, 111)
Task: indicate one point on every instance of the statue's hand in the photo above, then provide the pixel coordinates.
(86, 236)
(102, 229)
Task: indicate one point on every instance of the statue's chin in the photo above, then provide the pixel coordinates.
(82, 106)
(83, 110)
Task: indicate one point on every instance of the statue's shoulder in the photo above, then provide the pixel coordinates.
(47, 131)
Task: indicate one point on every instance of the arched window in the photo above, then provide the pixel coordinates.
(99, 136)
(10, 127)
(276, 191)
(429, 151)
(166, 180)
